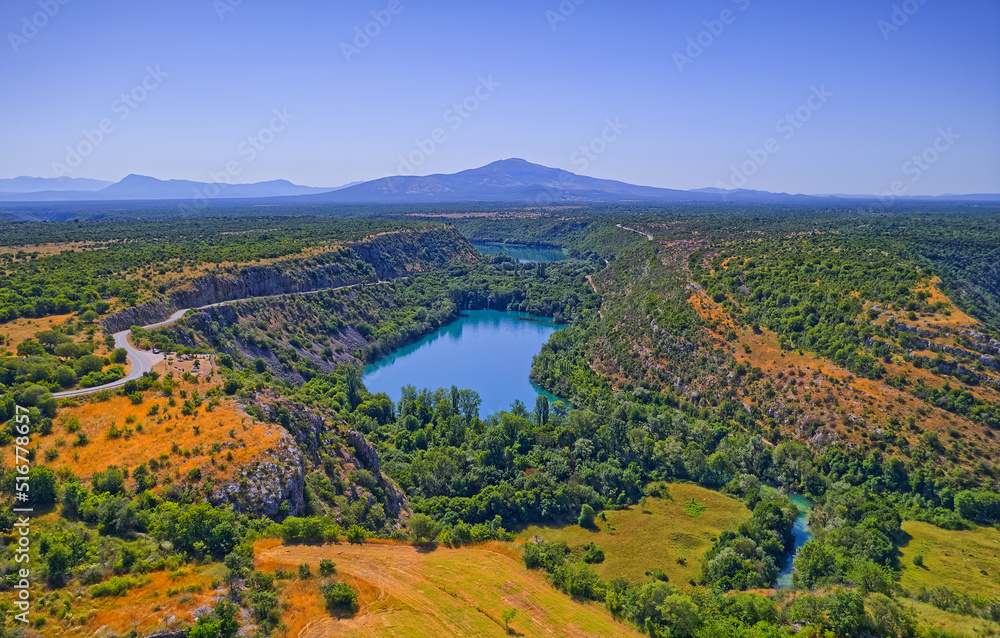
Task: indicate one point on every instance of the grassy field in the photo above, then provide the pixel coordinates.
(966, 561)
(411, 591)
(656, 535)
(930, 617)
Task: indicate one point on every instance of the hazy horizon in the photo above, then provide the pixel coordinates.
(852, 98)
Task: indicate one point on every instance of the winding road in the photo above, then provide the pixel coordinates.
(142, 361)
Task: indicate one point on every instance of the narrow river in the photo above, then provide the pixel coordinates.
(802, 534)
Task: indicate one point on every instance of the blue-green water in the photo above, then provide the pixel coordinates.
(488, 351)
(802, 534)
(522, 252)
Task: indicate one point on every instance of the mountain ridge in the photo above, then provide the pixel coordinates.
(512, 180)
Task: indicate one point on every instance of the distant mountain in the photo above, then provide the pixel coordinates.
(26, 184)
(141, 187)
(508, 181)
(519, 181)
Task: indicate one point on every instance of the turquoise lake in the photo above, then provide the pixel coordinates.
(523, 253)
(489, 351)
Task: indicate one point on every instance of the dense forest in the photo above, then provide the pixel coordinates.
(725, 349)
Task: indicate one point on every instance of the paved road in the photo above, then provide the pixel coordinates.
(143, 361)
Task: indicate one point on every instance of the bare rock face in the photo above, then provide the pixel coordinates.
(367, 457)
(364, 451)
(306, 431)
(385, 256)
(262, 487)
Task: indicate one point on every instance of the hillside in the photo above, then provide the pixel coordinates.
(711, 363)
(419, 591)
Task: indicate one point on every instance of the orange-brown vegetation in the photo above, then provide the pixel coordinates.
(407, 590)
(851, 407)
(180, 443)
(24, 328)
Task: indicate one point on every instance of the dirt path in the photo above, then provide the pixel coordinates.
(590, 280)
(141, 361)
(646, 235)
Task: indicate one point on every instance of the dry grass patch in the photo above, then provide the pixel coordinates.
(657, 535)
(240, 440)
(24, 328)
(412, 591)
(147, 608)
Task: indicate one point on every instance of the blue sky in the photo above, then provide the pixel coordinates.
(550, 76)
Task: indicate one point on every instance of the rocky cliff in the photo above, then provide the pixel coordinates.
(381, 257)
(266, 483)
(311, 432)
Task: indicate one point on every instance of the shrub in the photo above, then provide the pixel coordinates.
(327, 567)
(339, 597)
(116, 586)
(593, 554)
(356, 534)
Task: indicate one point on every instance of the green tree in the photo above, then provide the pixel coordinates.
(423, 527)
(542, 409)
(111, 481)
(58, 560)
(886, 617)
(679, 612)
(221, 623)
(508, 615)
(586, 518)
(29, 348)
(593, 554)
(65, 376)
(41, 485)
(846, 613)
